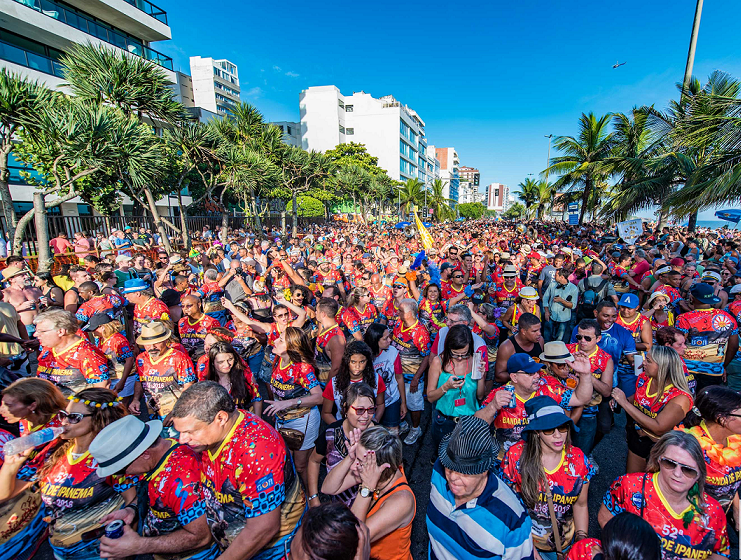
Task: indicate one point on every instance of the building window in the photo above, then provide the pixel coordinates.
(288, 128)
(342, 129)
(496, 193)
(402, 147)
(349, 131)
(84, 210)
(341, 104)
(348, 108)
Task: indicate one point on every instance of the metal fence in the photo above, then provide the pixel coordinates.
(91, 225)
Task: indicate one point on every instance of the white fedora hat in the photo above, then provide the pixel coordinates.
(121, 443)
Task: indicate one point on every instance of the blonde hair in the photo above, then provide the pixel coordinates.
(670, 369)
(109, 329)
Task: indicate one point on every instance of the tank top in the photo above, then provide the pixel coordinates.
(397, 544)
(446, 404)
(534, 353)
(516, 315)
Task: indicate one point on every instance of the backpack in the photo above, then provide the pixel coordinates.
(590, 299)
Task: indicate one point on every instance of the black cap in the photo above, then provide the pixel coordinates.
(97, 320)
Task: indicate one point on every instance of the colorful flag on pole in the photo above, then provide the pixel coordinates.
(423, 233)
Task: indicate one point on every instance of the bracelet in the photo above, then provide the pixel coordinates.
(443, 389)
(313, 496)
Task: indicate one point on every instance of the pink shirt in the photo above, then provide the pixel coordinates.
(59, 245)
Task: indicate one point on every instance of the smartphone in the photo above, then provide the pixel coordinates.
(92, 535)
(638, 364)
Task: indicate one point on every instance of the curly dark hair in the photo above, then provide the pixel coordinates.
(342, 379)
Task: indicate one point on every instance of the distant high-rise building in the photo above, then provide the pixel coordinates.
(215, 84)
(470, 175)
(497, 197)
(391, 131)
(449, 171)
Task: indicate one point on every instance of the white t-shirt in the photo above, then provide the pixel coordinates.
(387, 365)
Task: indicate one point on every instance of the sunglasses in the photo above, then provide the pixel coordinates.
(73, 417)
(561, 430)
(281, 316)
(689, 472)
(457, 276)
(459, 356)
(371, 410)
(583, 337)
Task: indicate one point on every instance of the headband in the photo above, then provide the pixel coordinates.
(94, 404)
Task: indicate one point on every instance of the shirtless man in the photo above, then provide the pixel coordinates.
(22, 295)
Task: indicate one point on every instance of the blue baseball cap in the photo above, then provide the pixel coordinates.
(543, 413)
(134, 285)
(704, 293)
(629, 300)
(522, 362)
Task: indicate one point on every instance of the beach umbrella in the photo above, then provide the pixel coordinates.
(402, 225)
(729, 215)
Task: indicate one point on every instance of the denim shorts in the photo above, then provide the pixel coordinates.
(392, 415)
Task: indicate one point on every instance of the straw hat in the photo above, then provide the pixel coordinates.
(153, 333)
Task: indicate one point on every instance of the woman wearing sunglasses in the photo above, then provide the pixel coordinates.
(715, 421)
(384, 502)
(35, 404)
(357, 410)
(552, 477)
(661, 401)
(671, 496)
(453, 386)
(74, 495)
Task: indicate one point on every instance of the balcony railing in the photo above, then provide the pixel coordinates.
(150, 9)
(29, 59)
(91, 27)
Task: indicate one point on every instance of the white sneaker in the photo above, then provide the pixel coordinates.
(403, 426)
(413, 436)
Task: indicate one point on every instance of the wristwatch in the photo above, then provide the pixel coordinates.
(365, 492)
(298, 402)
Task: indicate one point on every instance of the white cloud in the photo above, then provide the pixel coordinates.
(253, 92)
(292, 74)
(277, 68)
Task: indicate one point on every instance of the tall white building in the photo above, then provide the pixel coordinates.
(449, 171)
(215, 84)
(291, 132)
(498, 197)
(34, 34)
(391, 131)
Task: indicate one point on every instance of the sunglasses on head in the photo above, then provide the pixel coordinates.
(561, 429)
(583, 337)
(689, 472)
(73, 417)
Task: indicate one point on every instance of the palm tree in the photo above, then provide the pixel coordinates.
(585, 157)
(140, 90)
(20, 102)
(528, 193)
(410, 193)
(543, 198)
(438, 202)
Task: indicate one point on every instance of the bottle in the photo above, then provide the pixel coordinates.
(19, 445)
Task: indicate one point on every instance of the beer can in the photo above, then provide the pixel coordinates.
(115, 529)
(513, 399)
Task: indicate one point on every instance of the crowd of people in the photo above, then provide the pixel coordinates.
(253, 398)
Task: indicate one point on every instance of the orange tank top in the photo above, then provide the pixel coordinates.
(397, 544)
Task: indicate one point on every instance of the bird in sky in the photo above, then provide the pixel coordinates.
(618, 64)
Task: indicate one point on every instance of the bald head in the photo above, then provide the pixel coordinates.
(375, 279)
(191, 306)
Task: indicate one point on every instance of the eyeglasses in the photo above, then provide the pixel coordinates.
(559, 365)
(459, 356)
(561, 430)
(371, 410)
(583, 337)
(689, 472)
(73, 417)
(281, 316)
(457, 276)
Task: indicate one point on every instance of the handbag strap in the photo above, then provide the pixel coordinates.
(554, 521)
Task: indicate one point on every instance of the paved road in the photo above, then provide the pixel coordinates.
(610, 456)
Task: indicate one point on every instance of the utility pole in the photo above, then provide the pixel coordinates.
(692, 224)
(548, 163)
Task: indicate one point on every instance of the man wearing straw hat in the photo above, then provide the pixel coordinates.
(170, 506)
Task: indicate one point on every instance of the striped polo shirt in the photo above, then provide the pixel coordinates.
(494, 525)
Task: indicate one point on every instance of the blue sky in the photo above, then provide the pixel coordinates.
(489, 78)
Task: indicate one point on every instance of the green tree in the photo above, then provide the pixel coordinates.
(354, 154)
(528, 193)
(410, 193)
(515, 212)
(585, 157)
(438, 202)
(471, 210)
(21, 100)
(308, 207)
(543, 198)
(142, 91)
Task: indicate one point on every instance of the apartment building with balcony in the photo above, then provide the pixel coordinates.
(35, 34)
(291, 132)
(498, 197)
(215, 84)
(390, 130)
(449, 171)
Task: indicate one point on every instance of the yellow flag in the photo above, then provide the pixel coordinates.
(423, 233)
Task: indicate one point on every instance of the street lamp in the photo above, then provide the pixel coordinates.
(548, 162)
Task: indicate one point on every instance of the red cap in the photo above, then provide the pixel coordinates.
(676, 261)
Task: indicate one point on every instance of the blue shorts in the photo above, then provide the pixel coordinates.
(392, 415)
